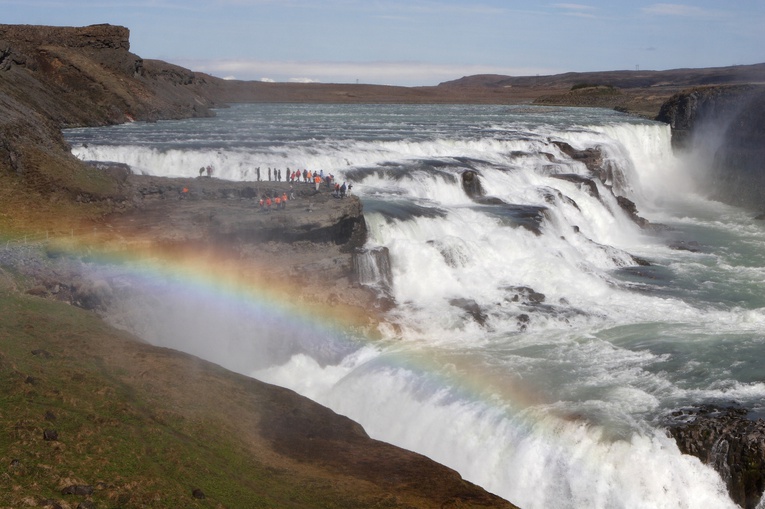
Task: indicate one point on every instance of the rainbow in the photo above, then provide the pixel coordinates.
(502, 420)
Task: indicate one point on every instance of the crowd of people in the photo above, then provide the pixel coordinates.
(279, 201)
(293, 176)
(317, 178)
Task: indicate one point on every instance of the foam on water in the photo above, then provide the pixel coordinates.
(550, 401)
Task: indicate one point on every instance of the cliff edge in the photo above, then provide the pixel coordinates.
(727, 125)
(93, 417)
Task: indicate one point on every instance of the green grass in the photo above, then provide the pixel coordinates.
(112, 435)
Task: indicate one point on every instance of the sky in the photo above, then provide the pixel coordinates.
(414, 42)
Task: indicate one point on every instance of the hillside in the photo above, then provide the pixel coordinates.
(138, 426)
(93, 417)
(637, 92)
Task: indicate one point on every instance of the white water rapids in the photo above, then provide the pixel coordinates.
(530, 350)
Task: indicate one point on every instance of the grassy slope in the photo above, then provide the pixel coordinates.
(145, 426)
(114, 432)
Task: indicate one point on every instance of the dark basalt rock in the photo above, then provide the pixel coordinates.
(727, 440)
(401, 210)
(525, 295)
(583, 182)
(472, 184)
(682, 245)
(631, 209)
(523, 321)
(728, 123)
(472, 308)
(530, 217)
(592, 158)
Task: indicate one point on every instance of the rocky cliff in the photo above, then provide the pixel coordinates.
(728, 440)
(299, 453)
(55, 77)
(727, 124)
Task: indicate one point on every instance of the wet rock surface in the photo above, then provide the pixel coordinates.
(728, 123)
(727, 440)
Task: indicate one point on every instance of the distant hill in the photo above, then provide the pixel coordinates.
(636, 92)
(623, 79)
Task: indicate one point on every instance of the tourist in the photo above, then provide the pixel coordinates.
(284, 200)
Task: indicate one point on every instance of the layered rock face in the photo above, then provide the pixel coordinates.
(87, 76)
(730, 442)
(728, 124)
(55, 77)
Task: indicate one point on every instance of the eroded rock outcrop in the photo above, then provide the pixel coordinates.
(730, 442)
(727, 126)
(57, 77)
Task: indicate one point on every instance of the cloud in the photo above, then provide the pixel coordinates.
(579, 10)
(680, 10)
(383, 73)
(574, 7)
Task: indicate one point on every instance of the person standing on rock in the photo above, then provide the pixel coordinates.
(284, 200)
(317, 181)
(258, 173)
(201, 171)
(269, 174)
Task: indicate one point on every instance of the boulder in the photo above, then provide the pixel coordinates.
(727, 440)
(472, 184)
